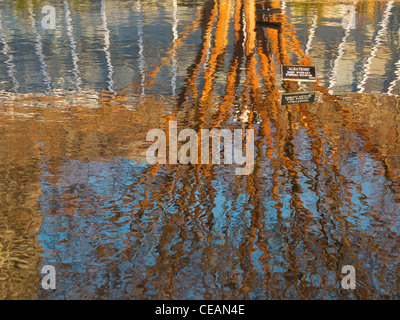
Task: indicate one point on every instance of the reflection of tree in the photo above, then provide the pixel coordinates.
(257, 95)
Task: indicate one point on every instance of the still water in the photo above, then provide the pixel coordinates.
(77, 101)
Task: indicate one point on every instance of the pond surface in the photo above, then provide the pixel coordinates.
(76, 104)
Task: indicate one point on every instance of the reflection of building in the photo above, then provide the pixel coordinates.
(348, 60)
(116, 46)
(86, 48)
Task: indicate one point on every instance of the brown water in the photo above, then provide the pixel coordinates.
(76, 193)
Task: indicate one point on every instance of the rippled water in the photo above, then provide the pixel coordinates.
(77, 102)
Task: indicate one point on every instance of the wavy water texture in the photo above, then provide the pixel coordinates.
(77, 193)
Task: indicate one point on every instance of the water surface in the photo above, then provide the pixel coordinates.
(77, 102)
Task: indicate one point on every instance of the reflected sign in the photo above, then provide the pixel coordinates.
(298, 97)
(299, 73)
